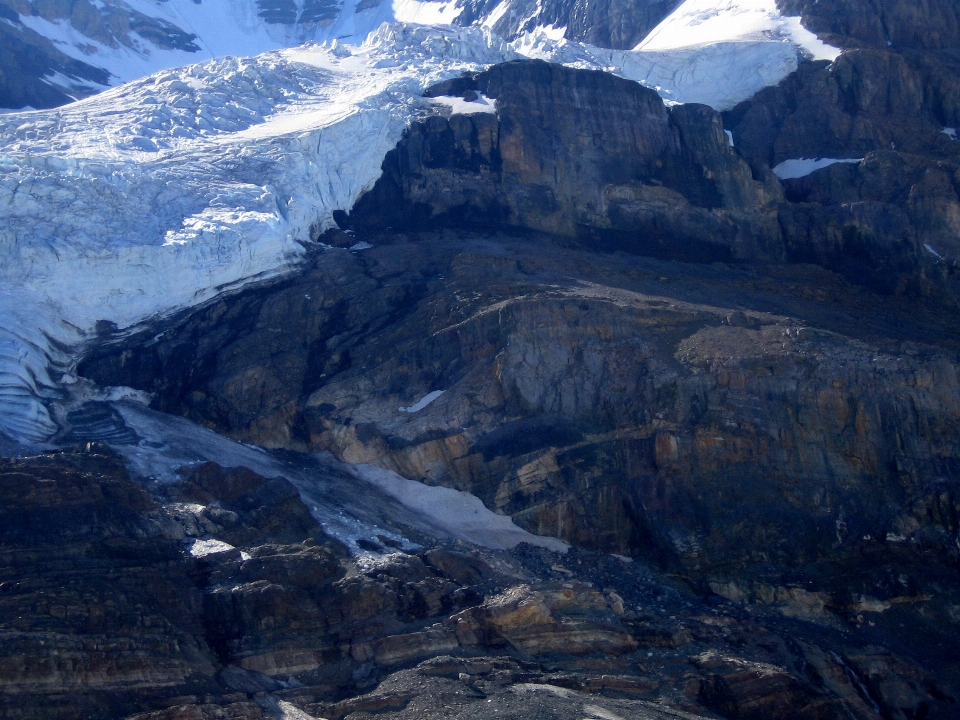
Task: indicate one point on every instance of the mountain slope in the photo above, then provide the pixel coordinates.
(160, 194)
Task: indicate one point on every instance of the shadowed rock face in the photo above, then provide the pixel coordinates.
(891, 221)
(28, 59)
(931, 25)
(581, 155)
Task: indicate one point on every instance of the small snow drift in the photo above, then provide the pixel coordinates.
(461, 106)
(801, 167)
(351, 503)
(422, 402)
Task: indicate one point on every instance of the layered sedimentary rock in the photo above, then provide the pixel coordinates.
(218, 597)
(603, 400)
(781, 435)
(581, 155)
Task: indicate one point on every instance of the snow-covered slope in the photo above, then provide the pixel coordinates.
(716, 52)
(133, 38)
(164, 192)
(128, 39)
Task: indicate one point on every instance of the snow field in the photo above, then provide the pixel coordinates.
(715, 52)
(370, 505)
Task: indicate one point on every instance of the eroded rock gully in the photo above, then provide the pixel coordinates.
(115, 619)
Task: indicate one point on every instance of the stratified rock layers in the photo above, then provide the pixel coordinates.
(105, 614)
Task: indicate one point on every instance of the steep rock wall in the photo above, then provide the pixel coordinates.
(581, 155)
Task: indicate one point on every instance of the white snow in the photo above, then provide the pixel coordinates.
(426, 13)
(459, 513)
(716, 52)
(359, 502)
(950, 133)
(222, 28)
(710, 22)
(930, 249)
(422, 402)
(498, 12)
(202, 548)
(459, 106)
(801, 167)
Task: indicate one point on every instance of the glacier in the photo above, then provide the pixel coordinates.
(167, 191)
(171, 189)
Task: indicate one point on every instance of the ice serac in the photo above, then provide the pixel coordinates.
(162, 193)
(75, 48)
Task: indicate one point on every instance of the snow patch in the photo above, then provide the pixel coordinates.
(461, 514)
(459, 106)
(422, 402)
(716, 52)
(710, 22)
(426, 13)
(202, 548)
(950, 133)
(932, 251)
(801, 167)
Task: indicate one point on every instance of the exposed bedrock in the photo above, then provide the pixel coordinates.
(892, 221)
(218, 598)
(603, 164)
(929, 25)
(581, 155)
(35, 72)
(704, 414)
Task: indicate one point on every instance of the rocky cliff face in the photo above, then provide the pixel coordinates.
(610, 322)
(598, 406)
(892, 100)
(561, 156)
